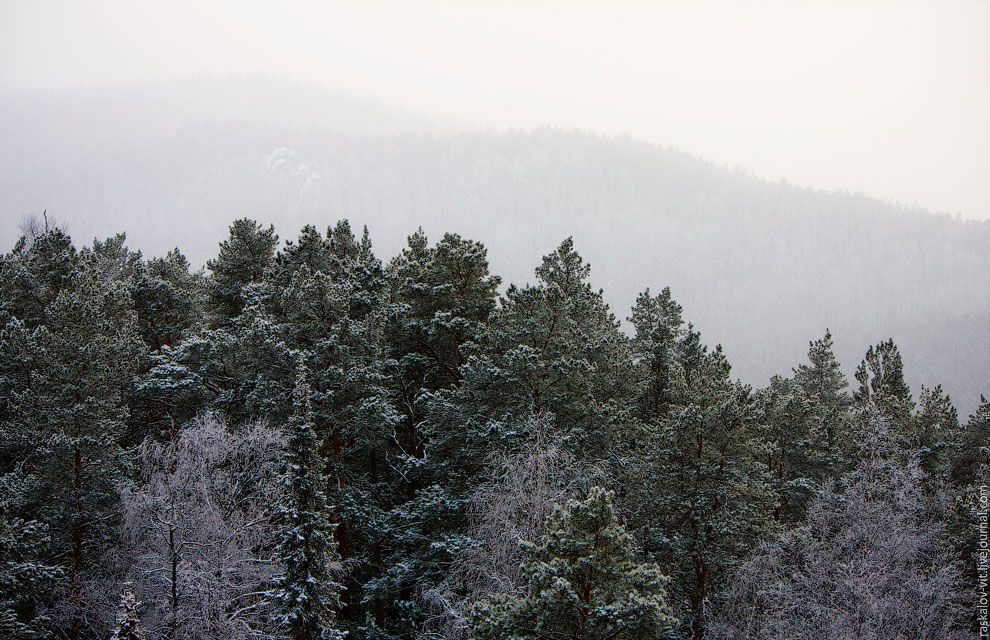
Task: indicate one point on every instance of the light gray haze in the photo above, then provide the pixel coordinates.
(886, 98)
(783, 167)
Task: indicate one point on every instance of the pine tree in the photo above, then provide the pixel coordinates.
(808, 428)
(167, 299)
(550, 348)
(583, 581)
(307, 594)
(823, 387)
(697, 486)
(168, 302)
(34, 273)
(470, 383)
(197, 374)
(317, 300)
(971, 450)
(244, 258)
(63, 395)
(193, 368)
(330, 312)
(319, 303)
(26, 580)
(437, 299)
(797, 455)
(969, 470)
(411, 382)
(311, 250)
(656, 349)
(881, 385)
(111, 260)
(935, 430)
(700, 492)
(128, 622)
(512, 503)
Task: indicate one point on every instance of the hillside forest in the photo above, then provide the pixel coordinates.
(304, 441)
(759, 266)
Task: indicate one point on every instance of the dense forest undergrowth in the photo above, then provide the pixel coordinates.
(303, 442)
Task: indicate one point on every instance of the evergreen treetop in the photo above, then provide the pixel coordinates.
(583, 581)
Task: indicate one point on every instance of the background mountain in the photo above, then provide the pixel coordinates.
(761, 267)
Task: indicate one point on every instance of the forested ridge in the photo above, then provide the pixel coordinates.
(303, 441)
(759, 265)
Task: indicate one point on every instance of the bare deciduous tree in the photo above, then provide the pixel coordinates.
(873, 561)
(198, 528)
(32, 225)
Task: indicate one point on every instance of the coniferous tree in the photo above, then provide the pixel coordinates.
(331, 312)
(34, 273)
(26, 580)
(699, 491)
(111, 260)
(198, 374)
(808, 429)
(244, 258)
(881, 385)
(935, 429)
(583, 582)
(656, 346)
(797, 455)
(31, 277)
(823, 388)
(971, 450)
(969, 470)
(203, 370)
(321, 301)
(557, 347)
(316, 300)
(553, 348)
(168, 303)
(437, 298)
(311, 249)
(697, 487)
(419, 379)
(307, 594)
(167, 299)
(550, 348)
(64, 393)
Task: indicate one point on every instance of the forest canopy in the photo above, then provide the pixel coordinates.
(303, 441)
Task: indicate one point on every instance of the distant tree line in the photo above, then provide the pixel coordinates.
(303, 442)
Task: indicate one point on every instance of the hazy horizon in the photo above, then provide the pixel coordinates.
(886, 100)
(168, 121)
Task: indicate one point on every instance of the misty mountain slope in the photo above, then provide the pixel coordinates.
(760, 267)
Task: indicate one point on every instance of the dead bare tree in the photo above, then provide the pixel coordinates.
(33, 226)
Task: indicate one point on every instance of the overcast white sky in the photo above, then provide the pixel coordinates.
(892, 99)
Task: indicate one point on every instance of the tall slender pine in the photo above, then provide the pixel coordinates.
(307, 594)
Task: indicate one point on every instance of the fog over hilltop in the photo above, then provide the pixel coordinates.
(760, 267)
